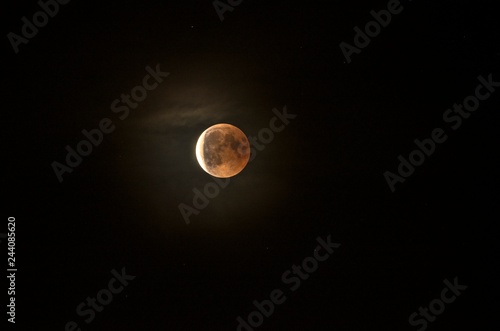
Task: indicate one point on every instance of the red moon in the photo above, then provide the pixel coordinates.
(223, 150)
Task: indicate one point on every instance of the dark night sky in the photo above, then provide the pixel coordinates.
(322, 175)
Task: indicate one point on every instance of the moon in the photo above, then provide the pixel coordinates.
(223, 150)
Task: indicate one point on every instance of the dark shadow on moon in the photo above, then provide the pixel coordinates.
(218, 142)
(212, 149)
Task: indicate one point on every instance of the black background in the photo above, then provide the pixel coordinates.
(323, 175)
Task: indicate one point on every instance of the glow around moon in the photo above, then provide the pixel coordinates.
(223, 150)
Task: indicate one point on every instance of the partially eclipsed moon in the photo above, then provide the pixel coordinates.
(223, 150)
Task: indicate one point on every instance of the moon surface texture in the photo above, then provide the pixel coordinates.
(223, 150)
